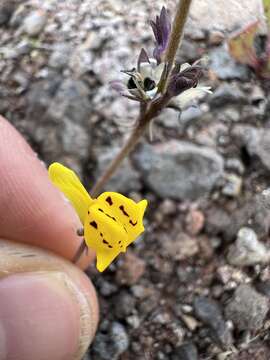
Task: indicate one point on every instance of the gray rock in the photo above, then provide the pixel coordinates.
(265, 198)
(179, 170)
(105, 288)
(125, 304)
(190, 116)
(217, 221)
(189, 52)
(62, 129)
(181, 247)
(235, 164)
(223, 65)
(110, 345)
(209, 312)
(60, 56)
(170, 119)
(71, 101)
(53, 99)
(247, 308)
(252, 213)
(227, 94)
(35, 22)
(18, 15)
(263, 287)
(40, 96)
(126, 178)
(6, 10)
(119, 337)
(230, 114)
(247, 250)
(256, 141)
(186, 351)
(224, 15)
(74, 138)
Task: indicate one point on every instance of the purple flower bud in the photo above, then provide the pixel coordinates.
(143, 58)
(161, 29)
(184, 80)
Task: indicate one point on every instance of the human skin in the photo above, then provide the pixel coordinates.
(48, 306)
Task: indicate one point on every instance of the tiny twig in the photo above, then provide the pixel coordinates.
(83, 247)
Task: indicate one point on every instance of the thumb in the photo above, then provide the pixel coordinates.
(48, 307)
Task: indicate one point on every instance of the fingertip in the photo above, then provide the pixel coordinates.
(32, 210)
(61, 317)
(57, 299)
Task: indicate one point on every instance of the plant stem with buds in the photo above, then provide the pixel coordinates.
(174, 41)
(147, 113)
(177, 32)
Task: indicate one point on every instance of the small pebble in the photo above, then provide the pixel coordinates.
(35, 22)
(247, 308)
(247, 249)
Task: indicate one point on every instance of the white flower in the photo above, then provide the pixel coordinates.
(188, 96)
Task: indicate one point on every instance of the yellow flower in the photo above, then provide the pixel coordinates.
(111, 222)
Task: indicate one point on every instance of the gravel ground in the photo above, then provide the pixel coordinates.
(196, 285)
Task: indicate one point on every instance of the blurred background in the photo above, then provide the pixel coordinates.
(197, 284)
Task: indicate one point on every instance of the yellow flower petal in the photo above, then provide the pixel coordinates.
(104, 260)
(69, 183)
(104, 234)
(126, 211)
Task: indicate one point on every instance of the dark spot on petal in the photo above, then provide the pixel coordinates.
(94, 224)
(111, 217)
(119, 242)
(101, 234)
(131, 83)
(148, 84)
(109, 200)
(123, 210)
(88, 212)
(105, 242)
(133, 223)
(101, 210)
(110, 246)
(125, 229)
(121, 246)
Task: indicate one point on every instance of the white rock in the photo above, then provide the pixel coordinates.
(224, 15)
(35, 22)
(247, 250)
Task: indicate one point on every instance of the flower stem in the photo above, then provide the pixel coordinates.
(146, 115)
(130, 144)
(175, 40)
(177, 31)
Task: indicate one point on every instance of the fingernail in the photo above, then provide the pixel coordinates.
(43, 316)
